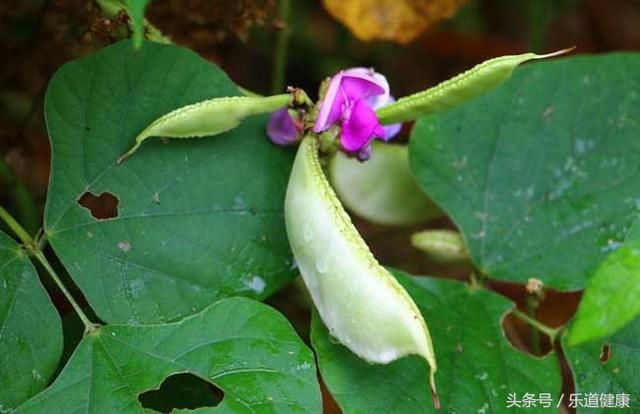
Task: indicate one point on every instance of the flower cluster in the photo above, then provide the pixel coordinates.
(352, 97)
(350, 102)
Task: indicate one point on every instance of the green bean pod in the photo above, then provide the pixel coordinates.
(207, 118)
(444, 246)
(383, 189)
(461, 88)
(359, 301)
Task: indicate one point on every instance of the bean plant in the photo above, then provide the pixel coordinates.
(222, 197)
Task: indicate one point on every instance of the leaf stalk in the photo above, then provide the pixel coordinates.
(34, 249)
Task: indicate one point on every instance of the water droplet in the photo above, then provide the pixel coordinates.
(124, 245)
(255, 284)
(322, 266)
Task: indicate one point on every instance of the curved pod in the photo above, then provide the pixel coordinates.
(359, 301)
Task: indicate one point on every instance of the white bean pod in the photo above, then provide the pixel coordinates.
(359, 301)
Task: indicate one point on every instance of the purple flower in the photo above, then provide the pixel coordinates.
(282, 129)
(351, 99)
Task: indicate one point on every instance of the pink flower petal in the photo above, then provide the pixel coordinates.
(330, 110)
(361, 127)
(282, 129)
(375, 77)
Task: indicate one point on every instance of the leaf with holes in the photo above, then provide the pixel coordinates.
(542, 175)
(611, 298)
(243, 347)
(178, 226)
(478, 368)
(608, 369)
(30, 328)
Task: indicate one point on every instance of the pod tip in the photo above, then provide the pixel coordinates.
(557, 52)
(434, 393)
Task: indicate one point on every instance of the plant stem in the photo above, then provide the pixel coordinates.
(15, 227)
(34, 249)
(552, 333)
(88, 325)
(532, 306)
(282, 44)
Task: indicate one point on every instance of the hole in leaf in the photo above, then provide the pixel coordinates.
(554, 309)
(103, 206)
(181, 391)
(605, 354)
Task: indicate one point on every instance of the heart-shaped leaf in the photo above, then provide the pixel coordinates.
(243, 347)
(189, 222)
(30, 328)
(477, 367)
(542, 175)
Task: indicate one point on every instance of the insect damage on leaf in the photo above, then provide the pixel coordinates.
(102, 207)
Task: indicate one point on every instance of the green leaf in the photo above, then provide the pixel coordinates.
(197, 220)
(245, 348)
(478, 368)
(611, 297)
(30, 328)
(542, 175)
(608, 366)
(381, 190)
(455, 91)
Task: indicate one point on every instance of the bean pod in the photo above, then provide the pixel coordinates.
(382, 189)
(467, 85)
(207, 118)
(359, 301)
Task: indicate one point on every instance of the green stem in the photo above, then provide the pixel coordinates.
(88, 325)
(14, 226)
(34, 250)
(112, 7)
(532, 306)
(552, 333)
(282, 44)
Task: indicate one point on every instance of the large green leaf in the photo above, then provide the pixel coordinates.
(243, 347)
(611, 297)
(607, 370)
(477, 367)
(542, 176)
(197, 220)
(30, 328)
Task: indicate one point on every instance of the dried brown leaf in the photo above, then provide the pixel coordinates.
(396, 20)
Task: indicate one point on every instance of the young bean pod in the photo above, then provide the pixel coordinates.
(208, 118)
(359, 301)
(444, 246)
(461, 88)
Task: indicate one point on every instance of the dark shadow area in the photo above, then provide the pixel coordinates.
(181, 391)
